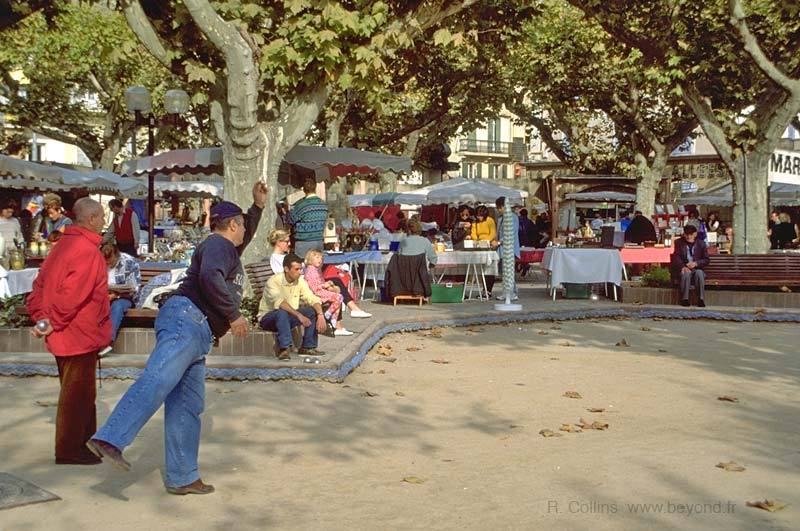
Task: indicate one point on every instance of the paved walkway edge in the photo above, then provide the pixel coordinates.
(378, 330)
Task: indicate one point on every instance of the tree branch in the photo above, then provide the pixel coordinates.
(141, 26)
(711, 126)
(753, 49)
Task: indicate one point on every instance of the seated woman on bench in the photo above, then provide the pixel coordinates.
(333, 291)
(124, 279)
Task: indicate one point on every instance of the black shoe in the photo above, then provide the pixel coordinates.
(330, 330)
(310, 352)
(701, 303)
(685, 302)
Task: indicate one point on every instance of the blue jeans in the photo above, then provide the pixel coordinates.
(282, 322)
(174, 376)
(118, 309)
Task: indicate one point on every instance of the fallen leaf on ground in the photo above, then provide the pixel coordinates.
(441, 362)
(726, 398)
(658, 319)
(555, 359)
(542, 333)
(555, 327)
(413, 349)
(447, 460)
(662, 350)
(595, 409)
(43, 403)
(549, 433)
(369, 394)
(731, 466)
(566, 344)
(223, 391)
(622, 343)
(381, 371)
(644, 329)
(388, 359)
(572, 394)
(520, 384)
(399, 393)
(414, 480)
(767, 505)
(514, 426)
(475, 330)
(786, 289)
(595, 425)
(571, 428)
(760, 310)
(722, 332)
(435, 332)
(385, 350)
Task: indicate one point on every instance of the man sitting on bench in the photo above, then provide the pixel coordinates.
(688, 260)
(280, 309)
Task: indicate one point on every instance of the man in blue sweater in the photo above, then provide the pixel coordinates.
(202, 309)
(308, 217)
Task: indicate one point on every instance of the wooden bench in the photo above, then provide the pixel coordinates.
(257, 274)
(767, 270)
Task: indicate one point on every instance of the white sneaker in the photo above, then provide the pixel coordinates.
(360, 314)
(105, 352)
(342, 332)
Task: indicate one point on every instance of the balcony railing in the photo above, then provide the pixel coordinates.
(484, 146)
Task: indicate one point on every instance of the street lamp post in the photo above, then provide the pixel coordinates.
(139, 103)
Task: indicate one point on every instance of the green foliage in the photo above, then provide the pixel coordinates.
(657, 277)
(9, 318)
(249, 308)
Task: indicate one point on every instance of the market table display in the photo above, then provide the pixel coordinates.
(530, 255)
(476, 265)
(583, 266)
(17, 282)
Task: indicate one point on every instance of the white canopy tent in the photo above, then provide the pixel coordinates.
(780, 194)
(26, 175)
(452, 191)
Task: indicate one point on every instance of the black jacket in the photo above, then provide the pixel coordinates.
(680, 256)
(407, 275)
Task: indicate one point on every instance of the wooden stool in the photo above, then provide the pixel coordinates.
(419, 298)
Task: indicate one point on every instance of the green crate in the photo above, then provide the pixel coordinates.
(577, 291)
(450, 292)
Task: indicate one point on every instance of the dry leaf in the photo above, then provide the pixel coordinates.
(43, 403)
(414, 480)
(475, 330)
(555, 327)
(722, 332)
(223, 391)
(786, 289)
(657, 319)
(731, 466)
(596, 425)
(369, 394)
(572, 394)
(520, 384)
(435, 332)
(566, 344)
(571, 428)
(555, 359)
(760, 310)
(442, 362)
(542, 333)
(549, 433)
(413, 349)
(595, 409)
(385, 350)
(387, 359)
(767, 505)
(726, 398)
(447, 460)
(381, 371)
(662, 350)
(513, 426)
(622, 343)
(399, 393)
(644, 329)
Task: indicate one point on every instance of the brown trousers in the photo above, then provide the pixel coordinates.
(76, 419)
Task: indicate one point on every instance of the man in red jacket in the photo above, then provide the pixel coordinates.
(70, 296)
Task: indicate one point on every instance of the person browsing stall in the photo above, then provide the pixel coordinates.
(484, 227)
(123, 270)
(415, 244)
(124, 228)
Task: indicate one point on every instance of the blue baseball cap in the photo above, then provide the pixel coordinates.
(225, 210)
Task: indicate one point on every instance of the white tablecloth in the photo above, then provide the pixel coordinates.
(452, 259)
(583, 266)
(17, 282)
